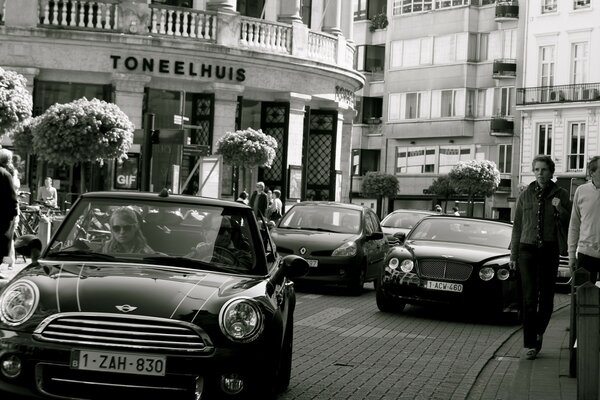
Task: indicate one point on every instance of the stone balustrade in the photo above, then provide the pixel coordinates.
(138, 18)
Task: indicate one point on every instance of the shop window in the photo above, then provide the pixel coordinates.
(46, 93)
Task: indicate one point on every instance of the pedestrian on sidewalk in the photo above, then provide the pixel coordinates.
(584, 228)
(8, 203)
(541, 220)
(259, 200)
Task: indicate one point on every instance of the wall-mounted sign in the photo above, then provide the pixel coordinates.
(127, 173)
(344, 96)
(178, 67)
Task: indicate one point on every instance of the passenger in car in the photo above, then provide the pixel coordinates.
(126, 236)
(224, 250)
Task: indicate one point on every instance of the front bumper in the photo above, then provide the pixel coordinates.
(332, 270)
(47, 372)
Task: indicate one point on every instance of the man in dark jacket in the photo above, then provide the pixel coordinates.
(543, 209)
(259, 200)
(9, 204)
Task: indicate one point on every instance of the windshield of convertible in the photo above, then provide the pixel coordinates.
(182, 234)
(455, 230)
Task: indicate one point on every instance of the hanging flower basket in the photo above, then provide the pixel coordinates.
(247, 148)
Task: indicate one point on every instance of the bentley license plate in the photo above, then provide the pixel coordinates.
(446, 286)
(125, 363)
(313, 263)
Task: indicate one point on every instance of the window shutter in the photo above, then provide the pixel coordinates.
(394, 107)
(459, 105)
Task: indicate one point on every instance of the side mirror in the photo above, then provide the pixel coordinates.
(295, 266)
(401, 236)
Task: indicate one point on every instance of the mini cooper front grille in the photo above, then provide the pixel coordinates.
(445, 269)
(131, 332)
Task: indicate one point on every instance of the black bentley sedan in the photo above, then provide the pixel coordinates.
(450, 260)
(343, 243)
(148, 296)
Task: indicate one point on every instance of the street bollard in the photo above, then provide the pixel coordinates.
(44, 231)
(580, 276)
(588, 341)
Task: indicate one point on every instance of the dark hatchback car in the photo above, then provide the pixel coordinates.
(151, 297)
(451, 260)
(343, 243)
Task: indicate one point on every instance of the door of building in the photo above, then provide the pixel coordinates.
(274, 122)
(319, 155)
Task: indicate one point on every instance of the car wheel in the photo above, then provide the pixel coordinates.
(358, 282)
(284, 372)
(385, 304)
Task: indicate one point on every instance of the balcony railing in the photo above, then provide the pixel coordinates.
(190, 24)
(558, 94)
(502, 126)
(507, 11)
(505, 68)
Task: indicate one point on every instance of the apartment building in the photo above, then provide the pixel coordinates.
(440, 88)
(559, 96)
(203, 68)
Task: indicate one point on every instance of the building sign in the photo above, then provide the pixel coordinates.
(127, 173)
(344, 96)
(178, 67)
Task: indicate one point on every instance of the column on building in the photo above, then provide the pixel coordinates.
(347, 24)
(344, 150)
(226, 96)
(221, 5)
(129, 95)
(290, 11)
(332, 19)
(298, 103)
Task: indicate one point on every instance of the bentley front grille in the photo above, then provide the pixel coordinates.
(445, 269)
(126, 332)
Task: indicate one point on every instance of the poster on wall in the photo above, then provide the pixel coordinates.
(127, 173)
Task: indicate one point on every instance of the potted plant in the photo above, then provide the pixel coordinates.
(378, 21)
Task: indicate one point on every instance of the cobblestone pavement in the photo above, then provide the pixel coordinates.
(345, 348)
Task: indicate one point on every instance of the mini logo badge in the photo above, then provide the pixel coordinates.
(303, 250)
(126, 308)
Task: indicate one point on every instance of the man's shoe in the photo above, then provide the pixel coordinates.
(530, 354)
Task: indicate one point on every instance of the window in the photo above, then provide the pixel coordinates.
(444, 49)
(545, 139)
(481, 95)
(470, 110)
(46, 93)
(579, 62)
(576, 147)
(251, 8)
(413, 106)
(546, 65)
(503, 99)
(578, 4)
(306, 12)
(411, 6)
(448, 103)
(451, 155)
(370, 58)
(505, 158)
(176, 3)
(370, 110)
(415, 160)
(360, 9)
(548, 6)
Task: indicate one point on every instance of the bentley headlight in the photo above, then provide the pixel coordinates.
(241, 320)
(18, 302)
(393, 263)
(486, 273)
(347, 249)
(407, 265)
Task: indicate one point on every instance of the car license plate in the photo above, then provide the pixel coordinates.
(313, 263)
(125, 363)
(446, 286)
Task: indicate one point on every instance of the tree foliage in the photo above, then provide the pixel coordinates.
(442, 187)
(22, 136)
(247, 148)
(82, 131)
(475, 178)
(15, 100)
(379, 184)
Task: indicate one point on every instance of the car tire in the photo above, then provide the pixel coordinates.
(385, 304)
(355, 287)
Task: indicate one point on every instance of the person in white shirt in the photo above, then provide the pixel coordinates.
(584, 226)
(47, 193)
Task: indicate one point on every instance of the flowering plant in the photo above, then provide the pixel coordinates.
(80, 131)
(378, 21)
(247, 148)
(475, 177)
(15, 100)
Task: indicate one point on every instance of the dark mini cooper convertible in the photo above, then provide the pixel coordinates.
(451, 260)
(148, 296)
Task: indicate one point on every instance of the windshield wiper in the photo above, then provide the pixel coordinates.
(180, 261)
(80, 254)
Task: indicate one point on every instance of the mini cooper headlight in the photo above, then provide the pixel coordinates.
(18, 302)
(503, 274)
(241, 320)
(348, 249)
(486, 273)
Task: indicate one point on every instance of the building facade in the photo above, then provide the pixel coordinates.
(201, 68)
(559, 97)
(440, 88)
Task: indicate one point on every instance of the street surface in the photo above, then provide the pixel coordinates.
(345, 348)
